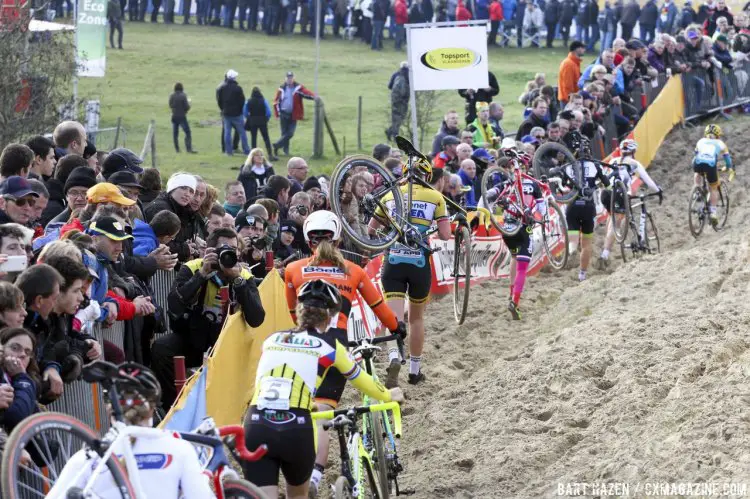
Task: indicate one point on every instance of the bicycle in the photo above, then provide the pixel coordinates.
(511, 202)
(377, 433)
(698, 207)
(52, 438)
(357, 474)
(644, 235)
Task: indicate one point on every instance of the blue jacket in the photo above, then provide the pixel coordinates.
(509, 9)
(246, 114)
(24, 401)
(471, 197)
(483, 9)
(619, 85)
(587, 73)
(144, 239)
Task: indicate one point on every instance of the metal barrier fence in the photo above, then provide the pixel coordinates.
(715, 90)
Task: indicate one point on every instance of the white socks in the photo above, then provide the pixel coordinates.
(392, 354)
(605, 254)
(414, 364)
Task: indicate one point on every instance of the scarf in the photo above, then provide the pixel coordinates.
(232, 209)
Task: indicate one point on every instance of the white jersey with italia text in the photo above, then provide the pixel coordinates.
(168, 469)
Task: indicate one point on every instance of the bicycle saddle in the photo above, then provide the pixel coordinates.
(99, 371)
(408, 148)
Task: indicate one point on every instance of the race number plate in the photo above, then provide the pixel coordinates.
(275, 393)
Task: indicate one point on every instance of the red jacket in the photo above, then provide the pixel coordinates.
(401, 12)
(496, 11)
(300, 92)
(125, 308)
(462, 13)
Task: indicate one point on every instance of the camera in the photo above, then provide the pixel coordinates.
(227, 257)
(258, 243)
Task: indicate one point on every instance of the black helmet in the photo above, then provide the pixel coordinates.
(319, 293)
(147, 385)
(576, 142)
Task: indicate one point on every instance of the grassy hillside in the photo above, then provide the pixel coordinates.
(140, 78)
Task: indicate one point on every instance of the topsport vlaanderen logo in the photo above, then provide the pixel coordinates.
(450, 59)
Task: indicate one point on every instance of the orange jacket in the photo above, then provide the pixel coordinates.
(355, 279)
(570, 73)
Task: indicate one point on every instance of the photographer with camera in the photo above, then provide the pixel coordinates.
(205, 290)
(252, 231)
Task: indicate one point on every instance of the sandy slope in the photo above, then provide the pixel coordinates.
(637, 374)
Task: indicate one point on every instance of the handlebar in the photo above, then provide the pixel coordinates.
(358, 411)
(659, 194)
(238, 432)
(363, 345)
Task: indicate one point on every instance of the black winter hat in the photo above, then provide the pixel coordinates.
(311, 183)
(83, 176)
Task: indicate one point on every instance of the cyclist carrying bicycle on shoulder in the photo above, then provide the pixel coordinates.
(521, 245)
(292, 366)
(407, 270)
(705, 162)
(625, 168)
(168, 466)
(581, 213)
(322, 231)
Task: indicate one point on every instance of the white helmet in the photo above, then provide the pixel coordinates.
(322, 221)
(508, 143)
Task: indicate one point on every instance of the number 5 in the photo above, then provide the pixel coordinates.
(272, 390)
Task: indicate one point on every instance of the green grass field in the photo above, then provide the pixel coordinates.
(141, 77)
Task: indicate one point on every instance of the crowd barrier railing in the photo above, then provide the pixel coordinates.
(715, 90)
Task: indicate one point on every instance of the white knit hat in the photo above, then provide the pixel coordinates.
(181, 180)
(232, 74)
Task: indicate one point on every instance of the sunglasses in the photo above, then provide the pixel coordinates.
(21, 202)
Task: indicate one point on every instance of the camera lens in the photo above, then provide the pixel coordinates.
(228, 258)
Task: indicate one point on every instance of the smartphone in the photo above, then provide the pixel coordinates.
(14, 264)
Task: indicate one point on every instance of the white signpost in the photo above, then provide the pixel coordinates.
(446, 56)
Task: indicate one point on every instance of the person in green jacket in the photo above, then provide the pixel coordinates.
(484, 136)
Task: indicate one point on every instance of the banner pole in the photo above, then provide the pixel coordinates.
(412, 92)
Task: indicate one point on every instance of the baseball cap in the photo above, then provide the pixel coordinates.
(635, 44)
(528, 139)
(107, 193)
(110, 227)
(722, 38)
(482, 155)
(692, 35)
(121, 159)
(450, 140)
(243, 219)
(16, 187)
(125, 178)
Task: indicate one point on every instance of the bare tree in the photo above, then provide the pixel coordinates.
(36, 77)
(427, 104)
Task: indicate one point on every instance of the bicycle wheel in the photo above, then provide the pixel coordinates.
(652, 236)
(236, 488)
(342, 490)
(492, 181)
(369, 488)
(355, 205)
(620, 197)
(375, 428)
(722, 206)
(556, 234)
(461, 272)
(697, 211)
(51, 439)
(552, 160)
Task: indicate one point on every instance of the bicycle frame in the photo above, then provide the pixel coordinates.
(640, 230)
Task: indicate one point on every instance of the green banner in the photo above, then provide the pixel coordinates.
(91, 37)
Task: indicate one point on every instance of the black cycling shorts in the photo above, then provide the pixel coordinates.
(330, 390)
(290, 438)
(522, 244)
(399, 278)
(711, 172)
(581, 217)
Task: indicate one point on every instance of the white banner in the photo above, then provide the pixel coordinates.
(449, 58)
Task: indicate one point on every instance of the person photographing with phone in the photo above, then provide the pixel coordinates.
(205, 290)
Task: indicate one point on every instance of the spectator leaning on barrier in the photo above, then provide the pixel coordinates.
(204, 292)
(180, 191)
(570, 71)
(20, 371)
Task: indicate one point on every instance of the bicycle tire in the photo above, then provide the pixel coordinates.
(237, 488)
(486, 181)
(376, 427)
(461, 258)
(542, 170)
(371, 482)
(619, 189)
(30, 429)
(723, 206)
(557, 262)
(338, 180)
(341, 489)
(697, 211)
(653, 231)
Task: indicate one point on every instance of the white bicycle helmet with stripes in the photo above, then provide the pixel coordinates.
(320, 222)
(628, 146)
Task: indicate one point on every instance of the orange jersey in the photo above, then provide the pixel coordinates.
(299, 272)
